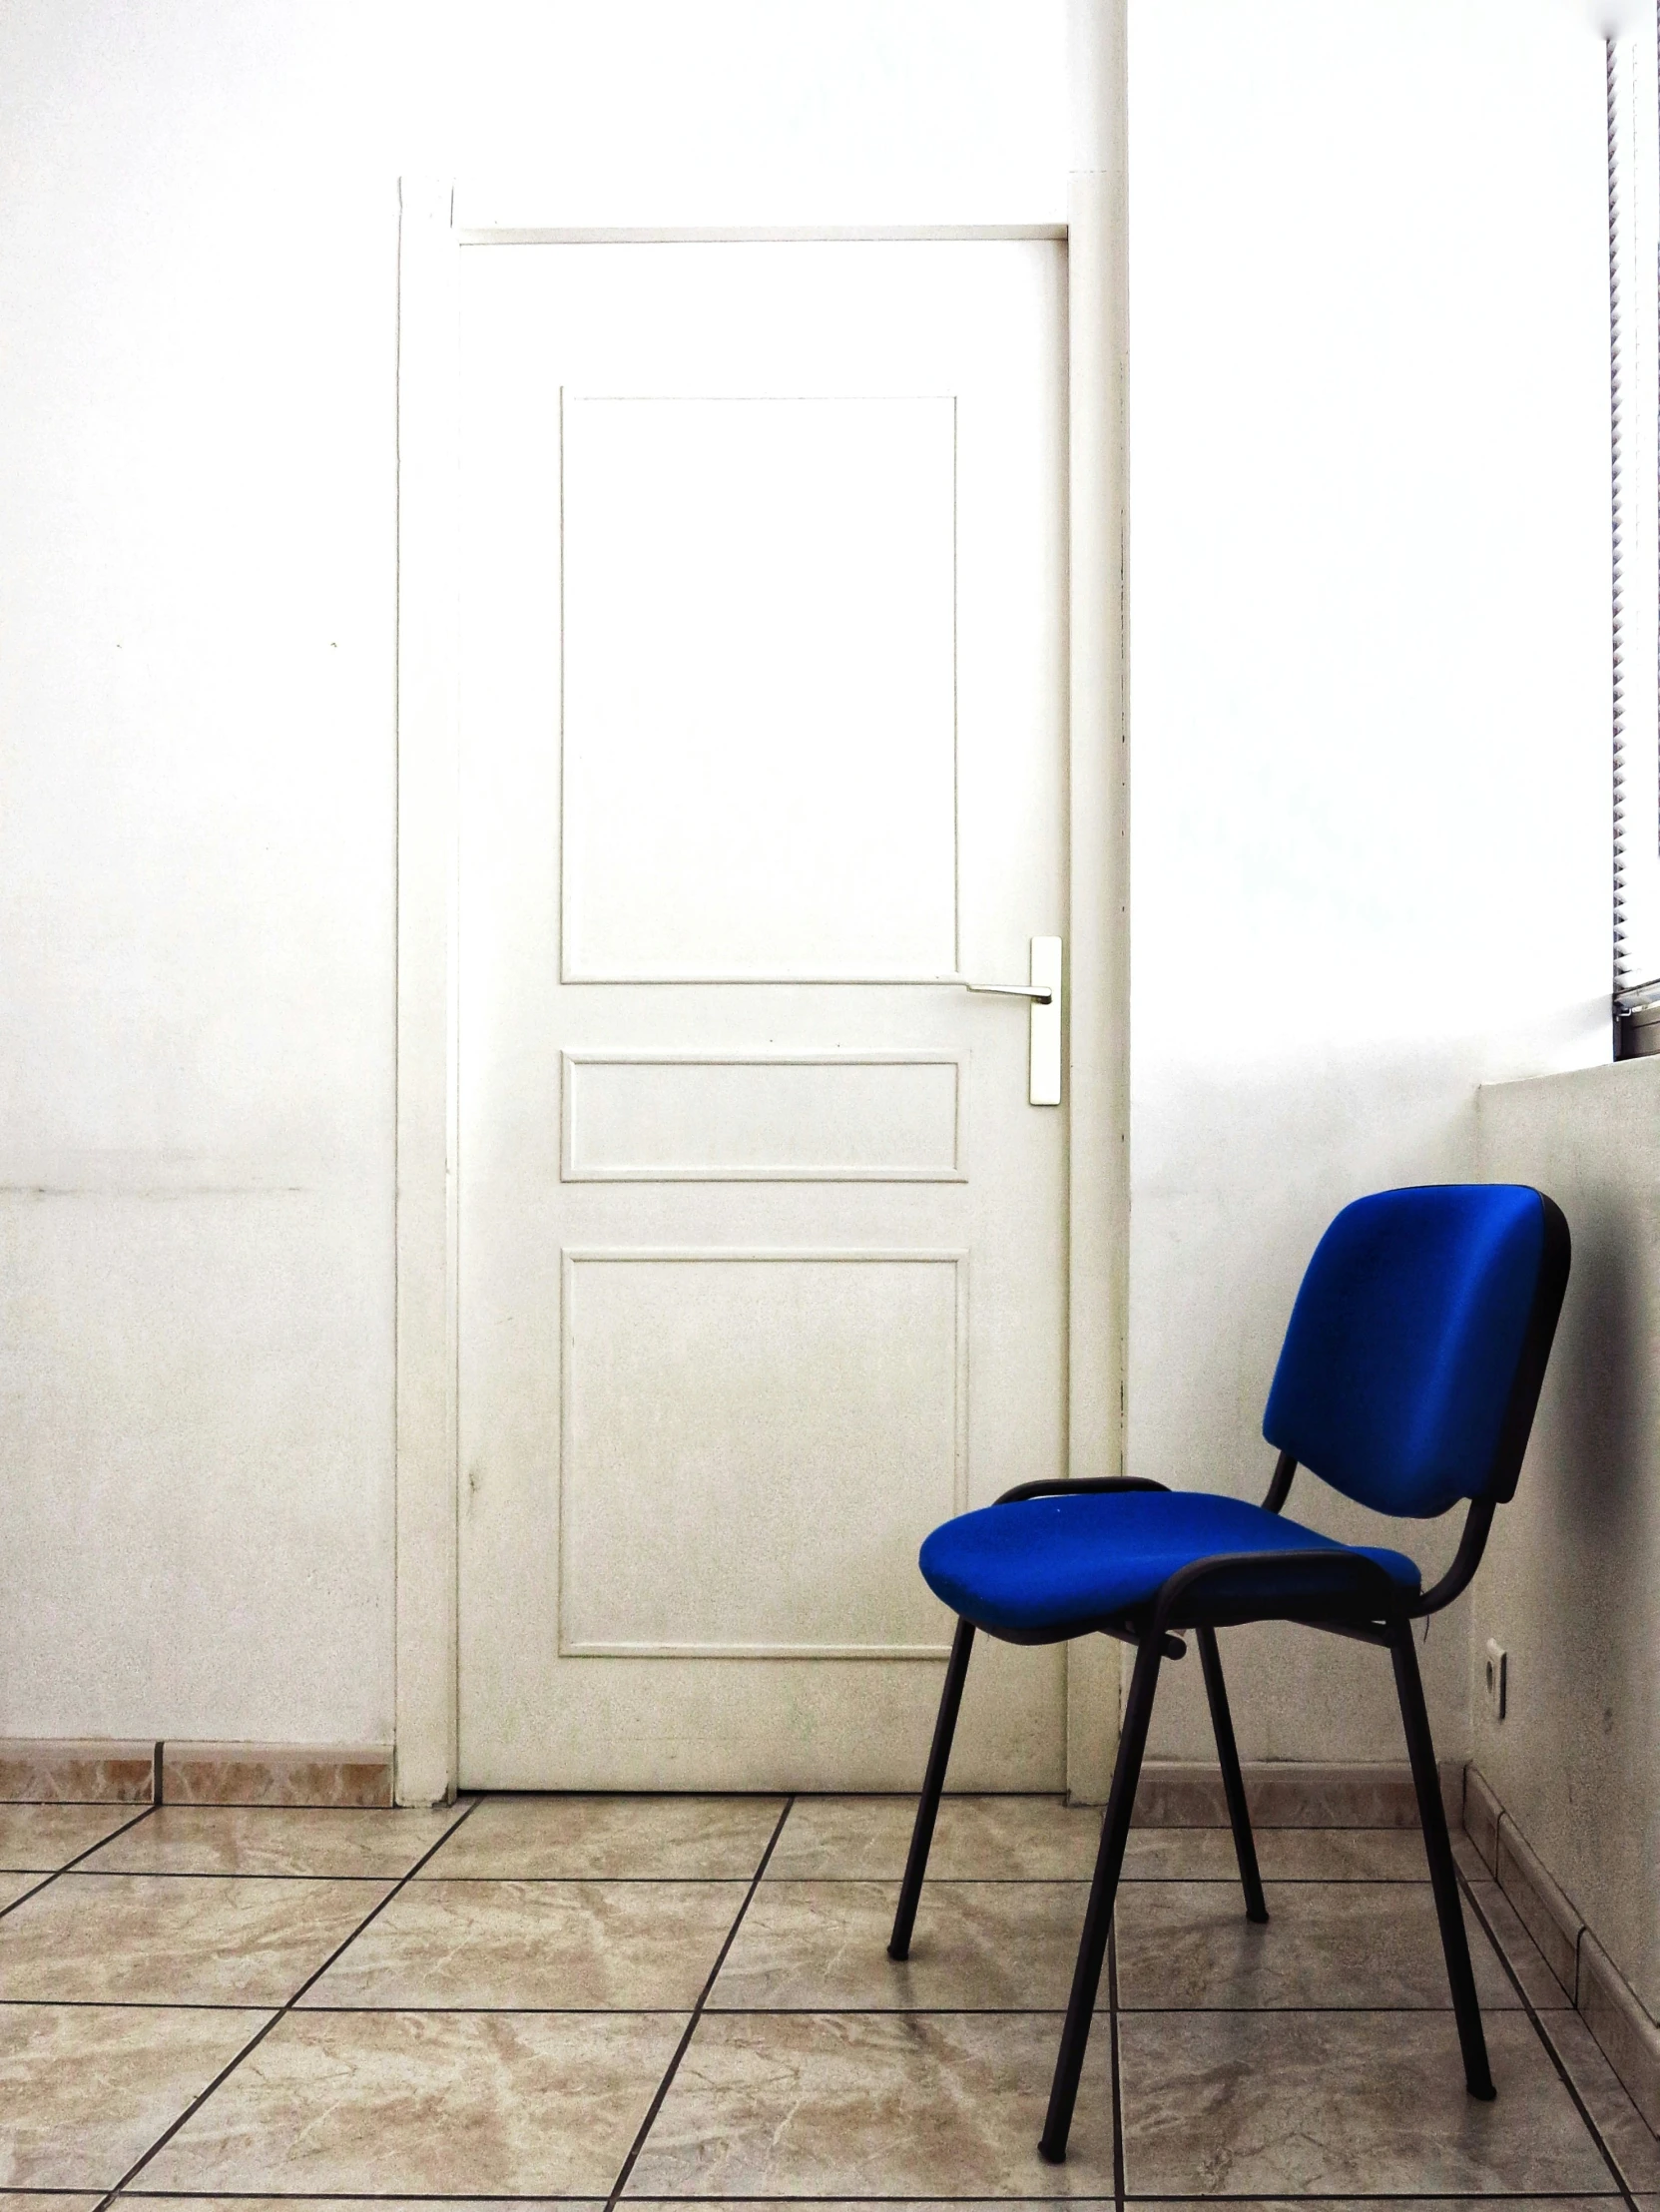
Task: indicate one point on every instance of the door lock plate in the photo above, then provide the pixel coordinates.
(1044, 1087)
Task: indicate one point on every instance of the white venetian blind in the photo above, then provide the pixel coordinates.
(1634, 290)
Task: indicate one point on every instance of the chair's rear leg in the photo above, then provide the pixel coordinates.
(933, 1782)
(1444, 1880)
(1109, 1862)
(1232, 1783)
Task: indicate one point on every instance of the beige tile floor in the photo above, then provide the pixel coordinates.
(681, 1999)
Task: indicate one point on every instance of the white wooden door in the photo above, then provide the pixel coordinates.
(762, 1254)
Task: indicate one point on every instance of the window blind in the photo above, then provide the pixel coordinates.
(1633, 83)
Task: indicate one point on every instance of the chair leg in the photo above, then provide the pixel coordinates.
(1109, 1862)
(933, 1782)
(1444, 1880)
(1232, 1783)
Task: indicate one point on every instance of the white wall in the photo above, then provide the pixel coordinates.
(198, 290)
(1571, 1585)
(195, 850)
(1370, 624)
(1371, 698)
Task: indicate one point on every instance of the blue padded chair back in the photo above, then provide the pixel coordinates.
(1412, 1367)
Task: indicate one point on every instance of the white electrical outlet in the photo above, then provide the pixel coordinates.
(1497, 1678)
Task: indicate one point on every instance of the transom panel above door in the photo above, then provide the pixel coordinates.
(761, 1242)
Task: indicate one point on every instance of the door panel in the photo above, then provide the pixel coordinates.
(813, 1118)
(795, 1379)
(762, 1245)
(758, 700)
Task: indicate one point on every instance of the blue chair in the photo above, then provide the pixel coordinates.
(1407, 1380)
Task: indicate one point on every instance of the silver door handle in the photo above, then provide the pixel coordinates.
(1043, 994)
(1040, 994)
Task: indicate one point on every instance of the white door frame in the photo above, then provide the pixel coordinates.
(428, 426)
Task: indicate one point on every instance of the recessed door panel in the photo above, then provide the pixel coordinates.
(759, 710)
(718, 1406)
(803, 1118)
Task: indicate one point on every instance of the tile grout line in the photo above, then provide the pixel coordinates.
(58, 1872)
(451, 1881)
(1551, 2052)
(216, 1873)
(1437, 2201)
(253, 2041)
(680, 2050)
(734, 1881)
(747, 2012)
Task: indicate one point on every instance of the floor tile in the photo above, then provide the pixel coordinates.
(617, 1946)
(1328, 2103)
(338, 2204)
(275, 1839)
(84, 2089)
(45, 1836)
(1609, 2203)
(676, 1839)
(821, 1947)
(1283, 1855)
(1188, 1945)
(471, 2103)
(174, 1939)
(15, 1885)
(976, 1838)
(1543, 1988)
(1618, 2121)
(873, 2104)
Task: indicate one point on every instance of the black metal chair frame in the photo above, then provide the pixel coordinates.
(1341, 1593)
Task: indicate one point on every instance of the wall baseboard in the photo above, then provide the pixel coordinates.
(1627, 2036)
(276, 1774)
(1291, 1792)
(40, 1770)
(84, 1770)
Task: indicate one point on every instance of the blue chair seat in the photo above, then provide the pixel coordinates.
(1038, 1565)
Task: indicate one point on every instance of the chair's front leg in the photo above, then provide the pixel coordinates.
(1109, 1863)
(933, 1782)
(1442, 1879)
(1233, 1782)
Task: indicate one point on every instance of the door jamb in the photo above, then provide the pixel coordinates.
(425, 1551)
(1098, 817)
(426, 1424)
